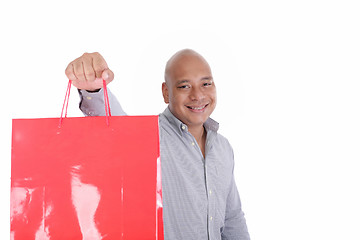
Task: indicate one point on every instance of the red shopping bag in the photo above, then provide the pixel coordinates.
(89, 178)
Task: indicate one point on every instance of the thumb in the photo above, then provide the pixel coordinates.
(107, 75)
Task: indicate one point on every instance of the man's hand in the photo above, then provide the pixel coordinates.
(88, 71)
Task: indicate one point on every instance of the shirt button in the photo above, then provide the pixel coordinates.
(210, 192)
(183, 127)
(193, 143)
(88, 98)
(211, 218)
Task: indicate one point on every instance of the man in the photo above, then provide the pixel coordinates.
(200, 198)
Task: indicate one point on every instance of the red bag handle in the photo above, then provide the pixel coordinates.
(107, 103)
(66, 102)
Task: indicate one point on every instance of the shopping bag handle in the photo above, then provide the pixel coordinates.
(66, 102)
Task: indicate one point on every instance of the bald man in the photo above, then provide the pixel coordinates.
(200, 198)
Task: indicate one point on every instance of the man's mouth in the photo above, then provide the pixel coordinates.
(197, 108)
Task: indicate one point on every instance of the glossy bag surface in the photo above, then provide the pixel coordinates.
(86, 179)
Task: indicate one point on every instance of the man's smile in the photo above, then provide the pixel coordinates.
(199, 108)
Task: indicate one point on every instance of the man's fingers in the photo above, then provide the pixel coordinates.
(69, 71)
(87, 63)
(88, 71)
(99, 64)
(79, 70)
(107, 75)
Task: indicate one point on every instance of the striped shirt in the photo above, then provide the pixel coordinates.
(200, 198)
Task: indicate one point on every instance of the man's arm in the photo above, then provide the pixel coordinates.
(235, 224)
(92, 103)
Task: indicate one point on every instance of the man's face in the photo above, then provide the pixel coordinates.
(190, 90)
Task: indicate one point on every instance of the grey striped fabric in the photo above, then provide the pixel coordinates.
(200, 198)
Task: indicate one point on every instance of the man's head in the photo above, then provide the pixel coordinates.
(189, 88)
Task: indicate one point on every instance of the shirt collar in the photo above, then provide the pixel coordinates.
(210, 124)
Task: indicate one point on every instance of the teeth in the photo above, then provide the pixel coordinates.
(197, 108)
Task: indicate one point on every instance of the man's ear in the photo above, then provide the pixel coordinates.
(165, 92)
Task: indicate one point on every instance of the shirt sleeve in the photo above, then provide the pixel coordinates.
(235, 227)
(92, 103)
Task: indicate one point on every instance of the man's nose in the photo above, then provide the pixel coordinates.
(196, 94)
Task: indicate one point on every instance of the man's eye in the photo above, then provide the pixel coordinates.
(207, 84)
(184, 86)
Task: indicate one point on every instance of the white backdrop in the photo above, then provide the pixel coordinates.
(287, 74)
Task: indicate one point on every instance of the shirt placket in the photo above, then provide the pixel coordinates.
(209, 186)
(209, 192)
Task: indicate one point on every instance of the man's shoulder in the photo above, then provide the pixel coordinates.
(222, 141)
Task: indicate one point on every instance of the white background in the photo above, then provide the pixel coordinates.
(287, 74)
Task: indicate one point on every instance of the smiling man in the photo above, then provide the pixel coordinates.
(190, 91)
(200, 198)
